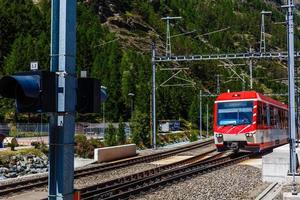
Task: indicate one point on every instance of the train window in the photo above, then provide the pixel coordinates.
(235, 113)
(264, 115)
(286, 119)
(259, 114)
(273, 117)
(276, 118)
(271, 114)
(283, 118)
(268, 116)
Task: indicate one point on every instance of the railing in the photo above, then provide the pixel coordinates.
(36, 129)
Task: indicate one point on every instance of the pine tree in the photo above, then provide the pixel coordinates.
(121, 135)
(110, 136)
(193, 112)
(140, 129)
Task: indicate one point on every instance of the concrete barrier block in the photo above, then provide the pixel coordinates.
(113, 153)
(290, 196)
(275, 165)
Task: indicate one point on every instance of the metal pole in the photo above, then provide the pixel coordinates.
(262, 34)
(243, 82)
(291, 86)
(218, 83)
(297, 107)
(200, 114)
(62, 123)
(52, 178)
(297, 116)
(131, 95)
(168, 35)
(131, 106)
(153, 97)
(251, 71)
(206, 120)
(41, 127)
(168, 45)
(103, 118)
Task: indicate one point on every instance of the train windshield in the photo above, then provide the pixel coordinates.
(235, 113)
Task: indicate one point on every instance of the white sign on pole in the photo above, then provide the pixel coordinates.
(83, 74)
(34, 65)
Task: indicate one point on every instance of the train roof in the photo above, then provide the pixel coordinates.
(253, 95)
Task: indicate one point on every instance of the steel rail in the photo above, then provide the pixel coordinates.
(138, 187)
(109, 185)
(40, 181)
(147, 158)
(124, 190)
(270, 192)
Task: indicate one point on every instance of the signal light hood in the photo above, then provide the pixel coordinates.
(11, 86)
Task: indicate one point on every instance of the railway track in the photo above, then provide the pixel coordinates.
(42, 181)
(125, 187)
(270, 192)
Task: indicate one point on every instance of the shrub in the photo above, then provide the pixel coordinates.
(84, 147)
(193, 136)
(81, 146)
(12, 146)
(41, 146)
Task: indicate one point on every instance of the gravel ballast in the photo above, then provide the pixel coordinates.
(121, 172)
(235, 182)
(112, 174)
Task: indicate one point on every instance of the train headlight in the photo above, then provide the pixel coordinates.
(219, 135)
(249, 134)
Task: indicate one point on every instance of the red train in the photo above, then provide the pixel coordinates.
(249, 121)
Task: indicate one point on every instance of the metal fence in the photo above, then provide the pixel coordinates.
(30, 130)
(36, 129)
(98, 129)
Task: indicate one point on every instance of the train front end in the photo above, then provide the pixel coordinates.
(235, 121)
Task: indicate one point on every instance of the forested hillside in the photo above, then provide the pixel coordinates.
(114, 44)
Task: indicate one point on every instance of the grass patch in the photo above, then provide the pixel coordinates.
(27, 134)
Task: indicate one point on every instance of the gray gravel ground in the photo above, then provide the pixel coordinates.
(105, 176)
(109, 175)
(237, 182)
(27, 177)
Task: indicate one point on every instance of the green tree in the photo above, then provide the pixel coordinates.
(126, 85)
(21, 55)
(121, 135)
(194, 112)
(140, 129)
(110, 136)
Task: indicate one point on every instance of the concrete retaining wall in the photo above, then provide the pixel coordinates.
(114, 153)
(275, 166)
